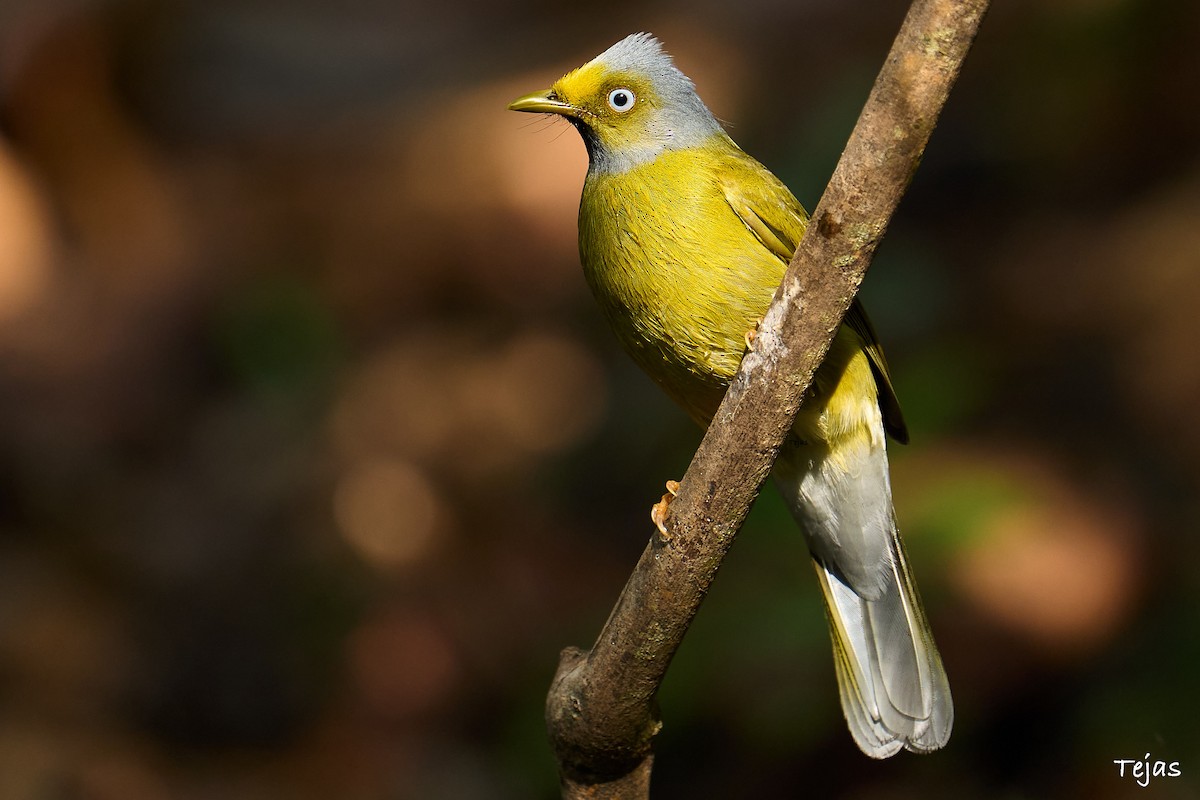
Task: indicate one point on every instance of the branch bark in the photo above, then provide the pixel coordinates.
(600, 711)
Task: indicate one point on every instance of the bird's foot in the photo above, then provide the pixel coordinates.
(658, 511)
(753, 332)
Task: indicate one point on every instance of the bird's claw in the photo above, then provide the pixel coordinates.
(753, 332)
(658, 511)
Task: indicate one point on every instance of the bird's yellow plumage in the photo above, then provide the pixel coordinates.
(684, 320)
(684, 239)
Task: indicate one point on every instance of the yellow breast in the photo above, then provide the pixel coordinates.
(679, 276)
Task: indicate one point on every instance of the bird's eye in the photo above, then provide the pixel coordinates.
(620, 100)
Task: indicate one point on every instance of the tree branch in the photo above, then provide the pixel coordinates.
(600, 711)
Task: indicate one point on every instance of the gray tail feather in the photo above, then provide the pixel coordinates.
(893, 687)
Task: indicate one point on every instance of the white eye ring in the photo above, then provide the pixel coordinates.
(621, 100)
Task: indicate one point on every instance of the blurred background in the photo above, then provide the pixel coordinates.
(314, 450)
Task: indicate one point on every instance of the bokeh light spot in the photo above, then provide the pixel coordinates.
(551, 392)
(25, 250)
(1062, 574)
(388, 511)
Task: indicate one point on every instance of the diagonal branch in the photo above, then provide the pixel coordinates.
(600, 711)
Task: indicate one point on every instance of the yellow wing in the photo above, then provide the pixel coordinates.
(776, 218)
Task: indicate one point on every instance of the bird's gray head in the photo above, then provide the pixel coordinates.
(630, 103)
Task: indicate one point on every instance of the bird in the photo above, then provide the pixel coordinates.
(683, 239)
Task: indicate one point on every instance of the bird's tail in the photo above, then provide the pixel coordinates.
(893, 687)
(892, 684)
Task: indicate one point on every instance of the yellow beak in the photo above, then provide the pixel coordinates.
(543, 102)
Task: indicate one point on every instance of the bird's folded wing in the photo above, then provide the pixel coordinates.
(777, 220)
